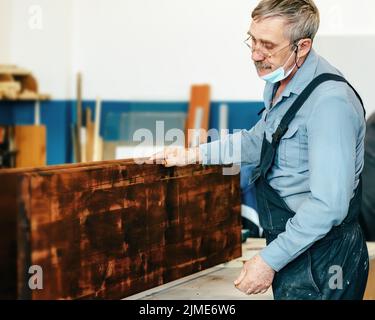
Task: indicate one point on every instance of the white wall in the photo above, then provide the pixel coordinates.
(46, 50)
(149, 49)
(155, 49)
(346, 17)
(5, 30)
(351, 54)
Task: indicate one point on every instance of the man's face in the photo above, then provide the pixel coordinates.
(269, 37)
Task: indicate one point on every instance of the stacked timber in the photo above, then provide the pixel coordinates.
(19, 84)
(109, 230)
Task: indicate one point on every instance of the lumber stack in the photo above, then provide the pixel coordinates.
(19, 84)
(108, 230)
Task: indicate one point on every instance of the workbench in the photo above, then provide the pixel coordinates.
(217, 283)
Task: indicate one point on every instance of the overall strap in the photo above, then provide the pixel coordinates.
(290, 114)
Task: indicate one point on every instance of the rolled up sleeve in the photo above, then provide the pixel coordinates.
(332, 130)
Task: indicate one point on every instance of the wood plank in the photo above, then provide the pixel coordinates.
(217, 283)
(78, 146)
(30, 142)
(98, 141)
(198, 115)
(111, 229)
(8, 243)
(13, 70)
(90, 136)
(370, 289)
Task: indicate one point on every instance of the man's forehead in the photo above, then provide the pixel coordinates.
(268, 30)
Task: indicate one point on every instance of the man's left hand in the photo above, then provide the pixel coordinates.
(256, 276)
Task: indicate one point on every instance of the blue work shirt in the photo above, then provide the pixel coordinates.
(318, 162)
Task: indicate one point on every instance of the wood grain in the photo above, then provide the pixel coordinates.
(30, 143)
(200, 98)
(112, 229)
(370, 289)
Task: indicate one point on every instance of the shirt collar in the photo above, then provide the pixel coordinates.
(298, 83)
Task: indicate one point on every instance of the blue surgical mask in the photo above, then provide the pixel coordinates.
(279, 74)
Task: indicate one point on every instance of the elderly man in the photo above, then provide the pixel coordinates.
(308, 148)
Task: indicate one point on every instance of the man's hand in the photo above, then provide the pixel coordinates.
(176, 156)
(256, 276)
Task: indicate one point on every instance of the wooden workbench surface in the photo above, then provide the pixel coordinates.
(215, 283)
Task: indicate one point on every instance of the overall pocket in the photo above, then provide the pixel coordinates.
(296, 281)
(289, 150)
(312, 274)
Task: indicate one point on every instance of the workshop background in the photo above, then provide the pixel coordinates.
(145, 55)
(79, 77)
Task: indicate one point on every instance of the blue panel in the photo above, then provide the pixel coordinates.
(58, 115)
(6, 113)
(55, 115)
(241, 115)
(23, 114)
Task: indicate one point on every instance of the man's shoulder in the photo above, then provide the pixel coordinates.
(338, 96)
(324, 66)
(333, 89)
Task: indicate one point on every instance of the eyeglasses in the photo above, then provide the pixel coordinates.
(251, 43)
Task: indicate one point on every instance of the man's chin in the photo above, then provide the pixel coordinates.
(263, 72)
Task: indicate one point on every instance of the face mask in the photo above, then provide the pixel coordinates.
(279, 74)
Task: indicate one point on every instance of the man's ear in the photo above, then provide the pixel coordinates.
(304, 47)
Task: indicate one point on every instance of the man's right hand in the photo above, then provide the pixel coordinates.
(176, 156)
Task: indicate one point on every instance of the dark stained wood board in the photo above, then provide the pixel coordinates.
(112, 229)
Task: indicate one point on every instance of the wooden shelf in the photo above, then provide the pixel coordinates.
(40, 98)
(18, 84)
(13, 70)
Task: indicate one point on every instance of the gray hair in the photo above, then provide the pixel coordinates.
(302, 16)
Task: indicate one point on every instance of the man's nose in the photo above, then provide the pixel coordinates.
(256, 57)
